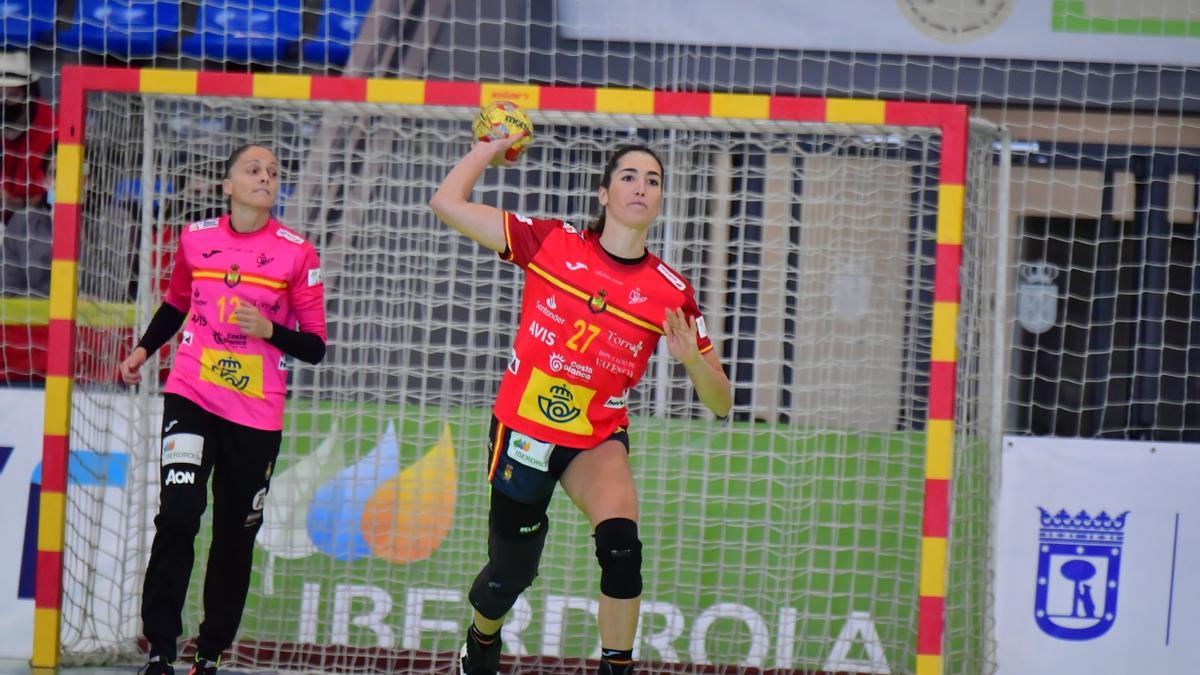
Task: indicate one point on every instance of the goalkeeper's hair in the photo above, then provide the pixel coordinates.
(597, 225)
(237, 154)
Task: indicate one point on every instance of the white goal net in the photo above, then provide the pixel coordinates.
(789, 537)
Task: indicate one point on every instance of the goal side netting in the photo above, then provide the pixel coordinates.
(801, 534)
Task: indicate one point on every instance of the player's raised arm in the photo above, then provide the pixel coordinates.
(483, 223)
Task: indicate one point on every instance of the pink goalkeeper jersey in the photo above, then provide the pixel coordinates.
(240, 378)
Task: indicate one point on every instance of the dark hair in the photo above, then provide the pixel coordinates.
(237, 154)
(232, 161)
(597, 225)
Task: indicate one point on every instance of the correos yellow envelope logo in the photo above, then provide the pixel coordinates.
(556, 403)
(242, 373)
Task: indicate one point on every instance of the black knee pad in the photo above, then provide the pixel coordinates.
(620, 554)
(515, 546)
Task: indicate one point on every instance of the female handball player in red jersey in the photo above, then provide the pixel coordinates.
(594, 305)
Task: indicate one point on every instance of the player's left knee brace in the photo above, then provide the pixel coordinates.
(514, 550)
(620, 554)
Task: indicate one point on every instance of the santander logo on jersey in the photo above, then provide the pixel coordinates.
(550, 309)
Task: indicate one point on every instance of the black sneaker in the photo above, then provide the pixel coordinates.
(476, 659)
(157, 666)
(607, 668)
(204, 666)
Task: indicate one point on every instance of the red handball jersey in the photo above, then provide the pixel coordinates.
(589, 324)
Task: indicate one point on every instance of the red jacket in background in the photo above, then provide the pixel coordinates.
(27, 157)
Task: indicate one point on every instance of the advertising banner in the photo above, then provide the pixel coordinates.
(763, 546)
(98, 511)
(1106, 31)
(372, 539)
(20, 455)
(1098, 553)
(763, 552)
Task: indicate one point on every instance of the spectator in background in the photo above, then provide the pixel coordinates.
(26, 146)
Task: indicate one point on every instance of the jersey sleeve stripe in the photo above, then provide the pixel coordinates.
(497, 450)
(247, 278)
(507, 254)
(583, 295)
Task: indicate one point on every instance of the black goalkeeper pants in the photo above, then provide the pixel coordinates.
(196, 443)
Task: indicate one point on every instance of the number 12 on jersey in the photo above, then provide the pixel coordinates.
(233, 302)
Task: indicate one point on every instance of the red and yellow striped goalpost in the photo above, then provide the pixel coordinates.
(77, 81)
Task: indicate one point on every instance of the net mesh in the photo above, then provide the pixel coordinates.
(1112, 121)
(1102, 307)
(786, 538)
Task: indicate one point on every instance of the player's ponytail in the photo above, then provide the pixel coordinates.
(597, 225)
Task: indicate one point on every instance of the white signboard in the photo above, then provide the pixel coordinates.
(1106, 31)
(96, 495)
(20, 453)
(1098, 557)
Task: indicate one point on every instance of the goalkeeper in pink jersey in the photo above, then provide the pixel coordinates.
(247, 293)
(595, 303)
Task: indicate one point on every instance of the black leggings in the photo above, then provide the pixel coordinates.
(241, 460)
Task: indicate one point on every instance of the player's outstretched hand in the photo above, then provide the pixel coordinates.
(252, 322)
(680, 333)
(495, 149)
(131, 367)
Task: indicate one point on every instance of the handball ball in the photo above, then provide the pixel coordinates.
(501, 119)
